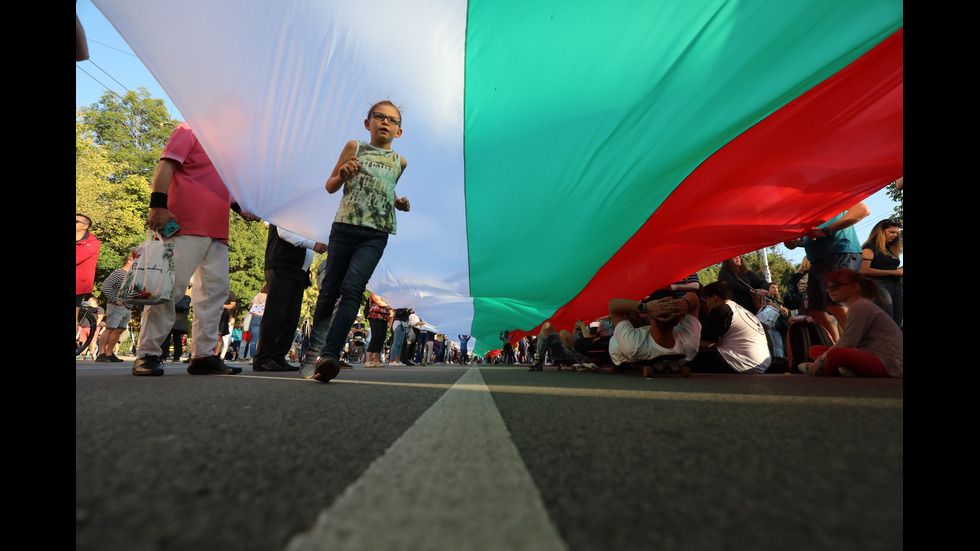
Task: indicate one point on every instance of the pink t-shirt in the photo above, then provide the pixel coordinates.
(197, 196)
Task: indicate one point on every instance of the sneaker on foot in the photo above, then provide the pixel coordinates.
(397, 363)
(307, 368)
(805, 367)
(102, 359)
(148, 365)
(114, 359)
(535, 365)
(211, 365)
(326, 369)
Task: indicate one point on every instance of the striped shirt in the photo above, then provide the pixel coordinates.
(111, 285)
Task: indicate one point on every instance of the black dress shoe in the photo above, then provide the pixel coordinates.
(286, 366)
(148, 366)
(211, 365)
(268, 365)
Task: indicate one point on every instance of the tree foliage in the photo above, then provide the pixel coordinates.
(118, 141)
(131, 129)
(114, 200)
(246, 260)
(896, 195)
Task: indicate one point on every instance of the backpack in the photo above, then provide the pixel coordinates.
(803, 334)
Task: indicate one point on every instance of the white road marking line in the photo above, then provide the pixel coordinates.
(454, 480)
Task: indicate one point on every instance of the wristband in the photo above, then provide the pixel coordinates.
(158, 200)
(236, 207)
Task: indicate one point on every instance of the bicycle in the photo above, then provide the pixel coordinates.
(87, 319)
(358, 351)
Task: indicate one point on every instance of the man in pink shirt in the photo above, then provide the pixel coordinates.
(86, 257)
(188, 190)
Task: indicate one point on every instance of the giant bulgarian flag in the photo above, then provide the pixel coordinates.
(560, 153)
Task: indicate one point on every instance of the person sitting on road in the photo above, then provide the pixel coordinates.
(561, 345)
(592, 340)
(733, 339)
(673, 327)
(872, 344)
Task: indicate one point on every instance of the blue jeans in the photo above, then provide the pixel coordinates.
(397, 343)
(254, 327)
(353, 253)
(892, 301)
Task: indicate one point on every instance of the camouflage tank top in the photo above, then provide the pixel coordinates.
(369, 197)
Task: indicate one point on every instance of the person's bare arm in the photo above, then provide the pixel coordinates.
(347, 167)
(159, 216)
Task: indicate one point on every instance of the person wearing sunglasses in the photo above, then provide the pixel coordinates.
(871, 344)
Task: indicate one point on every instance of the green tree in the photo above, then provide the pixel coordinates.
(896, 195)
(132, 130)
(115, 201)
(709, 274)
(246, 261)
(118, 141)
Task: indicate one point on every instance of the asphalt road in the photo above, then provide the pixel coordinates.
(493, 458)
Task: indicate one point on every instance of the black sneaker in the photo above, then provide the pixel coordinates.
(286, 366)
(148, 366)
(326, 369)
(114, 359)
(211, 365)
(535, 365)
(102, 359)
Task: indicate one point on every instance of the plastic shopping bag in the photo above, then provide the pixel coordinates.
(150, 279)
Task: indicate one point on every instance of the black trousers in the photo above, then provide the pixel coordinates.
(281, 317)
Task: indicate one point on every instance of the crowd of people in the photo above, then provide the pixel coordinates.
(849, 290)
(737, 324)
(189, 204)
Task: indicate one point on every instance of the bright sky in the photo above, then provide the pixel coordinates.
(112, 65)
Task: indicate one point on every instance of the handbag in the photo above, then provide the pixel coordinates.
(150, 280)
